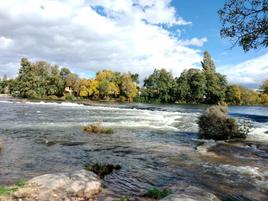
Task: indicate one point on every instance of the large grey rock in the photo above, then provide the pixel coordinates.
(191, 193)
(79, 185)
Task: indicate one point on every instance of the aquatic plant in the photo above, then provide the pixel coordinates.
(97, 128)
(8, 190)
(156, 193)
(102, 170)
(215, 124)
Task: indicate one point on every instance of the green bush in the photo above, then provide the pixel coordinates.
(69, 97)
(156, 193)
(215, 124)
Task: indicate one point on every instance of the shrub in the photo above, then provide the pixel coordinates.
(102, 170)
(69, 97)
(122, 98)
(215, 124)
(156, 193)
(98, 129)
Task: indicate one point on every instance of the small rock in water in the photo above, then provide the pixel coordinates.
(78, 185)
(102, 170)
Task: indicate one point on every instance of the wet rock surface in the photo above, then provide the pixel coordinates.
(191, 193)
(78, 185)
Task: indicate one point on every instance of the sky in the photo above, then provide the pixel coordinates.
(123, 35)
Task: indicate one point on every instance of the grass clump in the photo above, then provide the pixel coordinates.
(123, 199)
(156, 193)
(8, 190)
(215, 124)
(102, 170)
(97, 129)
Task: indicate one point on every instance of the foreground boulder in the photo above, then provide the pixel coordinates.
(191, 193)
(79, 185)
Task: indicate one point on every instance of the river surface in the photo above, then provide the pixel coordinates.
(156, 145)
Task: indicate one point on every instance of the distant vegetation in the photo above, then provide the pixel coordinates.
(41, 80)
(215, 124)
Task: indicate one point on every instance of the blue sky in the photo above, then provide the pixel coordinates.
(123, 35)
(206, 23)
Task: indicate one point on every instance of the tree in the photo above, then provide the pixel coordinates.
(160, 86)
(246, 22)
(264, 86)
(215, 83)
(233, 95)
(26, 79)
(128, 88)
(207, 63)
(108, 83)
(191, 86)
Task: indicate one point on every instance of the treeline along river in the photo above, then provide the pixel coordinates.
(156, 146)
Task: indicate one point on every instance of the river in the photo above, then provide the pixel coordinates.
(156, 146)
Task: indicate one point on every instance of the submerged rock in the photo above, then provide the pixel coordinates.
(78, 185)
(191, 193)
(102, 170)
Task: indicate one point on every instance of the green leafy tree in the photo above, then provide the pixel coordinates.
(233, 95)
(264, 86)
(245, 22)
(128, 88)
(216, 83)
(191, 86)
(160, 86)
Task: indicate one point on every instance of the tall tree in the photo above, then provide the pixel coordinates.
(207, 63)
(215, 83)
(160, 86)
(245, 22)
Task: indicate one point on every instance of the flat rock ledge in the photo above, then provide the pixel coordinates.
(75, 186)
(191, 193)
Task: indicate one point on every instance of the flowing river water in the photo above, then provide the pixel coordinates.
(156, 146)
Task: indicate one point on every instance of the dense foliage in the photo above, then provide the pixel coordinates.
(246, 22)
(215, 124)
(193, 85)
(45, 81)
(42, 80)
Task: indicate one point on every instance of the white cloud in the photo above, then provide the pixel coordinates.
(123, 35)
(199, 42)
(249, 73)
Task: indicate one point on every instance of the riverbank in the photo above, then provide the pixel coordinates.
(110, 101)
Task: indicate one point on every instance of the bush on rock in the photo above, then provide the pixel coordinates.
(215, 124)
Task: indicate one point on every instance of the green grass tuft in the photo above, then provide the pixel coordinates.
(8, 190)
(156, 193)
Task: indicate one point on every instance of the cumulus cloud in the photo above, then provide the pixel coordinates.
(250, 73)
(90, 35)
